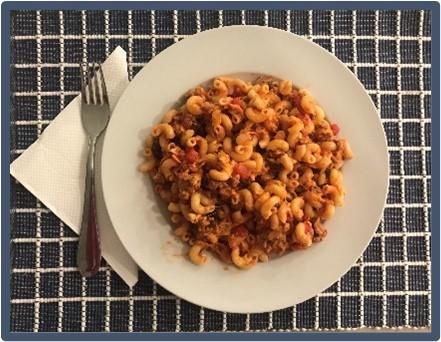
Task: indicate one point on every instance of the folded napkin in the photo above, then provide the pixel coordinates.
(53, 169)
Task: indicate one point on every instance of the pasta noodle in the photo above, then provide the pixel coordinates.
(249, 171)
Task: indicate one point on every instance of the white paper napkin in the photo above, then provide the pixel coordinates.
(53, 169)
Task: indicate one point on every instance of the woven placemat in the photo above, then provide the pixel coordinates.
(389, 51)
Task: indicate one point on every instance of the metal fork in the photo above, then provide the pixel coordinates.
(95, 113)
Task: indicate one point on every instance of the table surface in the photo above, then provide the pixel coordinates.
(388, 287)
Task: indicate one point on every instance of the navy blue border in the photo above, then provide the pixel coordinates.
(8, 6)
(216, 5)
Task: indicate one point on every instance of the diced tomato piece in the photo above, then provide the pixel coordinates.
(191, 155)
(240, 231)
(242, 171)
(237, 104)
(335, 129)
(237, 101)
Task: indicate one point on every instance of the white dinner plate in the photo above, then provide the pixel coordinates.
(141, 220)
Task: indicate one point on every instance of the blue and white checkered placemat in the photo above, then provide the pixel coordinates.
(388, 287)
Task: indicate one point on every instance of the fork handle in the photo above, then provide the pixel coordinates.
(89, 249)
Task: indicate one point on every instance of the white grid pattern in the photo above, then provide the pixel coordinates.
(171, 297)
(176, 37)
(369, 91)
(175, 26)
(61, 242)
(378, 103)
(383, 241)
(357, 264)
(423, 158)
(201, 319)
(83, 304)
(84, 37)
(152, 38)
(178, 315)
(108, 293)
(180, 36)
(247, 322)
(106, 32)
(60, 280)
(155, 307)
(131, 310)
(130, 43)
(402, 185)
(38, 205)
(383, 274)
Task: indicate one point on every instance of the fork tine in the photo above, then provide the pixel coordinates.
(84, 97)
(103, 85)
(92, 91)
(97, 84)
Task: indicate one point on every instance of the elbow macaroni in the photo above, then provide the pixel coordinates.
(194, 105)
(247, 170)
